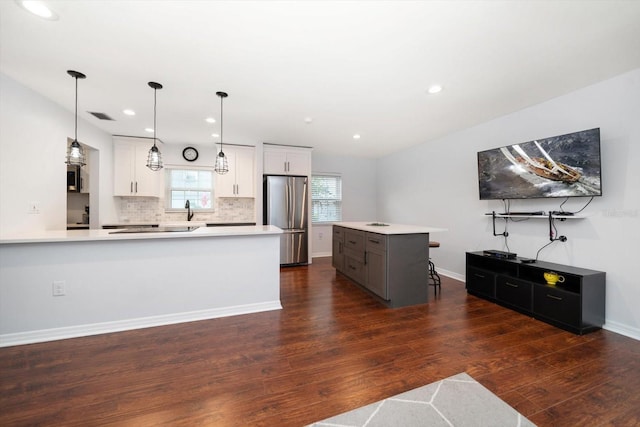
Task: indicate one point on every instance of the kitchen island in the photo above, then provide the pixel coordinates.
(390, 261)
(69, 283)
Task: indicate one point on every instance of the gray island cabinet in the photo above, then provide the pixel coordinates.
(389, 261)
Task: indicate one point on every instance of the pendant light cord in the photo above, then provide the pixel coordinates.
(76, 127)
(221, 123)
(155, 92)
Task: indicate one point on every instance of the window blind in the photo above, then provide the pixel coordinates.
(326, 198)
(189, 184)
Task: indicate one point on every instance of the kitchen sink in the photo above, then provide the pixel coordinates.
(378, 224)
(153, 230)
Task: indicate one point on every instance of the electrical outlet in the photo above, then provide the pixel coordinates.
(320, 236)
(59, 288)
(33, 208)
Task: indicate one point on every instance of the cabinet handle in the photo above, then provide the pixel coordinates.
(365, 257)
(351, 267)
(554, 297)
(136, 186)
(377, 242)
(478, 275)
(510, 284)
(131, 191)
(353, 242)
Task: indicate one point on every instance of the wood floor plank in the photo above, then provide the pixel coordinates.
(332, 348)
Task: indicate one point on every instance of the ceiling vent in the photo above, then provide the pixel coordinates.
(101, 116)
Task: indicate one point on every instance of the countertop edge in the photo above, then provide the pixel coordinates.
(390, 228)
(66, 236)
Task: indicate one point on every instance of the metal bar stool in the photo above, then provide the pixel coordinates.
(434, 277)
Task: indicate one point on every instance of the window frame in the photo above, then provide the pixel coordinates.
(168, 188)
(337, 176)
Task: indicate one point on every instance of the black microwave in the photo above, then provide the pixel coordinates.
(74, 183)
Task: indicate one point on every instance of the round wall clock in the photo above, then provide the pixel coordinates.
(190, 154)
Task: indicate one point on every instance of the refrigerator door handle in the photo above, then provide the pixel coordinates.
(287, 198)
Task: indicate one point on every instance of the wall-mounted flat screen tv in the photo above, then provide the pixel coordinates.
(560, 166)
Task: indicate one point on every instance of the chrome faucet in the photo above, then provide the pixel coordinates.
(187, 206)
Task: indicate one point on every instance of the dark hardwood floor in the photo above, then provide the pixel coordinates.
(331, 349)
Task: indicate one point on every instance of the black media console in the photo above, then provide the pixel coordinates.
(576, 305)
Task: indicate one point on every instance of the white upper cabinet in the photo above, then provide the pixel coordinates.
(240, 180)
(131, 175)
(281, 160)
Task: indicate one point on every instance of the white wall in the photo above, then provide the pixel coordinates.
(436, 184)
(33, 139)
(358, 194)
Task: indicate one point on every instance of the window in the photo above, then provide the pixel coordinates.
(195, 185)
(326, 198)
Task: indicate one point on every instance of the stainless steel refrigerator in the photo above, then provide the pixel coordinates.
(285, 206)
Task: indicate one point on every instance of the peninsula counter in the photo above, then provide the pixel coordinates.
(114, 282)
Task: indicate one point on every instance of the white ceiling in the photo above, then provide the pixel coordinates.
(351, 66)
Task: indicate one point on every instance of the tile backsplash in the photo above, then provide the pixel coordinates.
(151, 209)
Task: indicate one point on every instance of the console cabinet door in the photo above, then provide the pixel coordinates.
(481, 281)
(557, 304)
(514, 292)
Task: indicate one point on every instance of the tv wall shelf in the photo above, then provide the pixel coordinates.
(546, 216)
(576, 305)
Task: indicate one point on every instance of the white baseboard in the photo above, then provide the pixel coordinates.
(321, 255)
(450, 274)
(621, 329)
(31, 337)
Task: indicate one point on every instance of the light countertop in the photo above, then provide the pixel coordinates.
(389, 228)
(174, 224)
(107, 235)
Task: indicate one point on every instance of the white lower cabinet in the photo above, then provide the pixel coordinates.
(240, 180)
(131, 175)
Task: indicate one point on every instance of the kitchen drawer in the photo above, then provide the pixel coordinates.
(354, 240)
(557, 304)
(374, 241)
(338, 233)
(481, 281)
(354, 268)
(514, 292)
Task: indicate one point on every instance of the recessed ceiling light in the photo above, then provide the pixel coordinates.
(150, 130)
(356, 136)
(38, 8)
(215, 135)
(129, 112)
(434, 89)
(308, 120)
(210, 120)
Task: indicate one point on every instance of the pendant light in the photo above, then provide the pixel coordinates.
(75, 153)
(154, 160)
(222, 164)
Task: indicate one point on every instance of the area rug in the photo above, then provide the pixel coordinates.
(456, 401)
